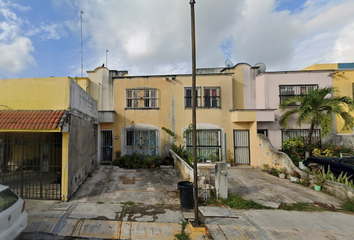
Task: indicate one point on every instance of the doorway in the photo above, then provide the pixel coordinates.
(242, 146)
(106, 145)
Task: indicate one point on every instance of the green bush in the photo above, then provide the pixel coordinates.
(295, 149)
(139, 161)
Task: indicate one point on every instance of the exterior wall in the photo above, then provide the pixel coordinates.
(29, 93)
(343, 82)
(82, 152)
(101, 88)
(171, 112)
(267, 93)
(82, 103)
(324, 66)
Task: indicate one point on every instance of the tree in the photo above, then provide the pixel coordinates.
(317, 108)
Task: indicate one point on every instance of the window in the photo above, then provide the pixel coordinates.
(188, 97)
(291, 133)
(141, 98)
(286, 91)
(142, 141)
(208, 144)
(211, 97)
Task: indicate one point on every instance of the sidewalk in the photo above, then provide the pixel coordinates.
(101, 221)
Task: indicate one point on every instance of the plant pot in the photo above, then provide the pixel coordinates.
(282, 175)
(294, 179)
(317, 187)
(228, 165)
(233, 164)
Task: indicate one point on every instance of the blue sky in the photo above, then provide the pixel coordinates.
(41, 38)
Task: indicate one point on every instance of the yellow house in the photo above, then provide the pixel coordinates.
(343, 82)
(48, 136)
(143, 106)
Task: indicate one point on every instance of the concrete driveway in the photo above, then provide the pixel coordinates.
(111, 184)
(261, 187)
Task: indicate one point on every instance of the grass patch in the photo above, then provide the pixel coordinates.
(303, 207)
(348, 205)
(236, 202)
(128, 203)
(100, 202)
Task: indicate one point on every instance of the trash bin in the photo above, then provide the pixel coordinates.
(185, 189)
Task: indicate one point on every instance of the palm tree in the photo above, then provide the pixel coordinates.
(317, 109)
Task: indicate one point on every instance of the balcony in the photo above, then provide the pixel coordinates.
(106, 116)
(243, 115)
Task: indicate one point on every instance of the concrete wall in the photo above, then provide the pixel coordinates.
(35, 93)
(267, 96)
(82, 151)
(81, 103)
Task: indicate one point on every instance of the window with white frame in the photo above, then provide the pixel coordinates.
(211, 97)
(208, 144)
(141, 141)
(141, 98)
(188, 97)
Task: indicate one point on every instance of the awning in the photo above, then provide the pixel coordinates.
(30, 119)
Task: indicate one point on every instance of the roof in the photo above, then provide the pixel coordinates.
(30, 119)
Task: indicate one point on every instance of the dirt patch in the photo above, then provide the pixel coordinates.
(137, 211)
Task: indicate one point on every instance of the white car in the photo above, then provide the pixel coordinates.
(13, 217)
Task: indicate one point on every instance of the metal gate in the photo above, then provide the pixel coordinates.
(242, 146)
(30, 164)
(106, 145)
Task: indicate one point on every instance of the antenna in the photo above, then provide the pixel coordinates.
(261, 66)
(106, 58)
(228, 63)
(82, 54)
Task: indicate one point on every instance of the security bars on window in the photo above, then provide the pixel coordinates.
(286, 91)
(211, 97)
(141, 98)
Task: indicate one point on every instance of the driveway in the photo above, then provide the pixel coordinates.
(261, 187)
(111, 184)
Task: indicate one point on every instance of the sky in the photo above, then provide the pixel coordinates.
(42, 38)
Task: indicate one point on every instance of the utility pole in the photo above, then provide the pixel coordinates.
(194, 118)
(82, 53)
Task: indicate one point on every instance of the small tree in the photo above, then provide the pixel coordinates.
(317, 108)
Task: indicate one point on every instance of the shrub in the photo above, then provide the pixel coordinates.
(138, 160)
(295, 148)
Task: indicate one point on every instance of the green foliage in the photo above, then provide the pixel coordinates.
(100, 202)
(235, 201)
(265, 167)
(139, 161)
(305, 207)
(128, 203)
(348, 205)
(188, 130)
(170, 132)
(183, 235)
(273, 171)
(295, 149)
(317, 108)
(322, 175)
(282, 170)
(328, 150)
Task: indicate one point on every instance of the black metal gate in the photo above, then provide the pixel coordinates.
(30, 164)
(106, 145)
(242, 146)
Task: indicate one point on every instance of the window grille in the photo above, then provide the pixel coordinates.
(291, 133)
(211, 97)
(188, 97)
(142, 98)
(208, 144)
(286, 91)
(142, 141)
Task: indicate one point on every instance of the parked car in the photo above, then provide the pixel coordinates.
(13, 216)
(337, 165)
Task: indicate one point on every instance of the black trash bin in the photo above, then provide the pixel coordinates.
(185, 189)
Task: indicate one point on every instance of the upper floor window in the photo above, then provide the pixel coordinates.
(188, 97)
(211, 97)
(286, 91)
(141, 98)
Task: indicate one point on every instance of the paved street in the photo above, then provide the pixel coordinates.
(136, 204)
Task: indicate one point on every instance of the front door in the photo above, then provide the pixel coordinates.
(242, 146)
(106, 145)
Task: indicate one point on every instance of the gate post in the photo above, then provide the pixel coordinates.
(221, 179)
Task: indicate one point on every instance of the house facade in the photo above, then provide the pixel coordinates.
(48, 136)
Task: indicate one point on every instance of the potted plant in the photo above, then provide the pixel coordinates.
(295, 176)
(282, 173)
(318, 183)
(265, 167)
(230, 158)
